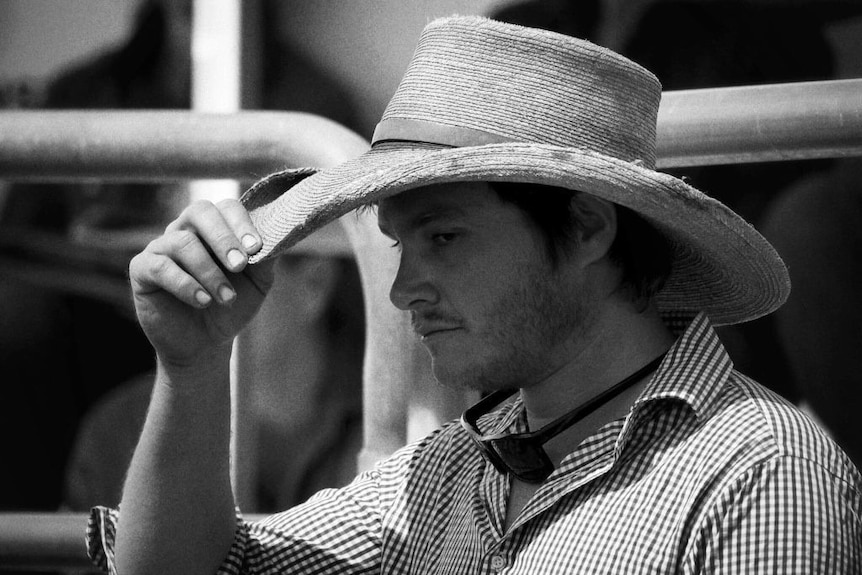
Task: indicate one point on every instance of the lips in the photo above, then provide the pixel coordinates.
(436, 332)
(429, 325)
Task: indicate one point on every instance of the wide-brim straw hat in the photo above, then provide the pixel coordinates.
(488, 101)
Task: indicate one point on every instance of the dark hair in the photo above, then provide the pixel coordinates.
(641, 251)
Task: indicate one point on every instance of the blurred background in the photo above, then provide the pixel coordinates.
(75, 370)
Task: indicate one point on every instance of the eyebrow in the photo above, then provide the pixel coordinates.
(424, 218)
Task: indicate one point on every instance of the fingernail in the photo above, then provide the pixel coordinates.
(226, 294)
(203, 298)
(235, 258)
(249, 241)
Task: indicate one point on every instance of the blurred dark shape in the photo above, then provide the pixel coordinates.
(61, 350)
(691, 45)
(814, 225)
(578, 18)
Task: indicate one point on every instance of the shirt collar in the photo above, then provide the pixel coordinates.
(697, 356)
(693, 371)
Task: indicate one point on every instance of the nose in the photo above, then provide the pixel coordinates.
(413, 285)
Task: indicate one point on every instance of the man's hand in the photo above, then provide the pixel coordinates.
(193, 289)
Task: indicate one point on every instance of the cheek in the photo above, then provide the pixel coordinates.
(514, 336)
(466, 289)
(534, 319)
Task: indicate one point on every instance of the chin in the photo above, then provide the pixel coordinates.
(470, 377)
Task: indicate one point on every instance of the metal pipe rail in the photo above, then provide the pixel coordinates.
(794, 121)
(37, 541)
(696, 127)
(46, 541)
(164, 146)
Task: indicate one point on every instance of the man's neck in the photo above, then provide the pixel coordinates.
(618, 344)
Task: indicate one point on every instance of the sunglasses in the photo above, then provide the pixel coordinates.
(522, 454)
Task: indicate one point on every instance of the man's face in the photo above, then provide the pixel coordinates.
(482, 294)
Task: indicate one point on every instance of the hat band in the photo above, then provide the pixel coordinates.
(400, 129)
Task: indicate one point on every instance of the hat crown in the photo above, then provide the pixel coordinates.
(528, 85)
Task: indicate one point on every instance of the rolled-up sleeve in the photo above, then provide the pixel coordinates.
(336, 530)
(101, 534)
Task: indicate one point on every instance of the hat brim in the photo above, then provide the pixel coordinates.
(721, 265)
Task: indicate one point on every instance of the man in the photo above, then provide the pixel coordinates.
(540, 252)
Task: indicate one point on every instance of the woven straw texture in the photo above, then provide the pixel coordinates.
(470, 74)
(568, 114)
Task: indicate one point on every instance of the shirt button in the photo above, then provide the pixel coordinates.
(498, 562)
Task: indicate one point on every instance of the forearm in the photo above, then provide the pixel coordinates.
(177, 511)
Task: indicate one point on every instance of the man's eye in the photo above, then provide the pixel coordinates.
(396, 244)
(443, 239)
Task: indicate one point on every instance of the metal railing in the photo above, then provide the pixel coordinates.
(165, 146)
(795, 121)
(42, 541)
(696, 127)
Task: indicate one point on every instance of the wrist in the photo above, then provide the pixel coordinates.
(204, 369)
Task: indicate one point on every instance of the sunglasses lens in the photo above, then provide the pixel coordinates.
(526, 460)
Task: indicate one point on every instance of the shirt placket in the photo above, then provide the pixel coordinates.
(494, 495)
(500, 557)
(578, 470)
(501, 548)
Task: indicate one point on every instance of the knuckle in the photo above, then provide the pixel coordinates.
(185, 285)
(234, 212)
(160, 267)
(225, 239)
(184, 240)
(135, 264)
(193, 212)
(155, 246)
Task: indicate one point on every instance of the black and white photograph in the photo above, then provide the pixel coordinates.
(397, 287)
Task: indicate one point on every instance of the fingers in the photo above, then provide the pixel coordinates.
(237, 217)
(225, 229)
(180, 264)
(190, 259)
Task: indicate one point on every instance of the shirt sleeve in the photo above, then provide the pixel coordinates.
(102, 530)
(335, 531)
(786, 515)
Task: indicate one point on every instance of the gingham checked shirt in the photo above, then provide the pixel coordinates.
(709, 473)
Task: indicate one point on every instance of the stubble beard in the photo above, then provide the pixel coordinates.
(520, 335)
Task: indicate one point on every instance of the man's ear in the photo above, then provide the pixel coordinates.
(596, 226)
